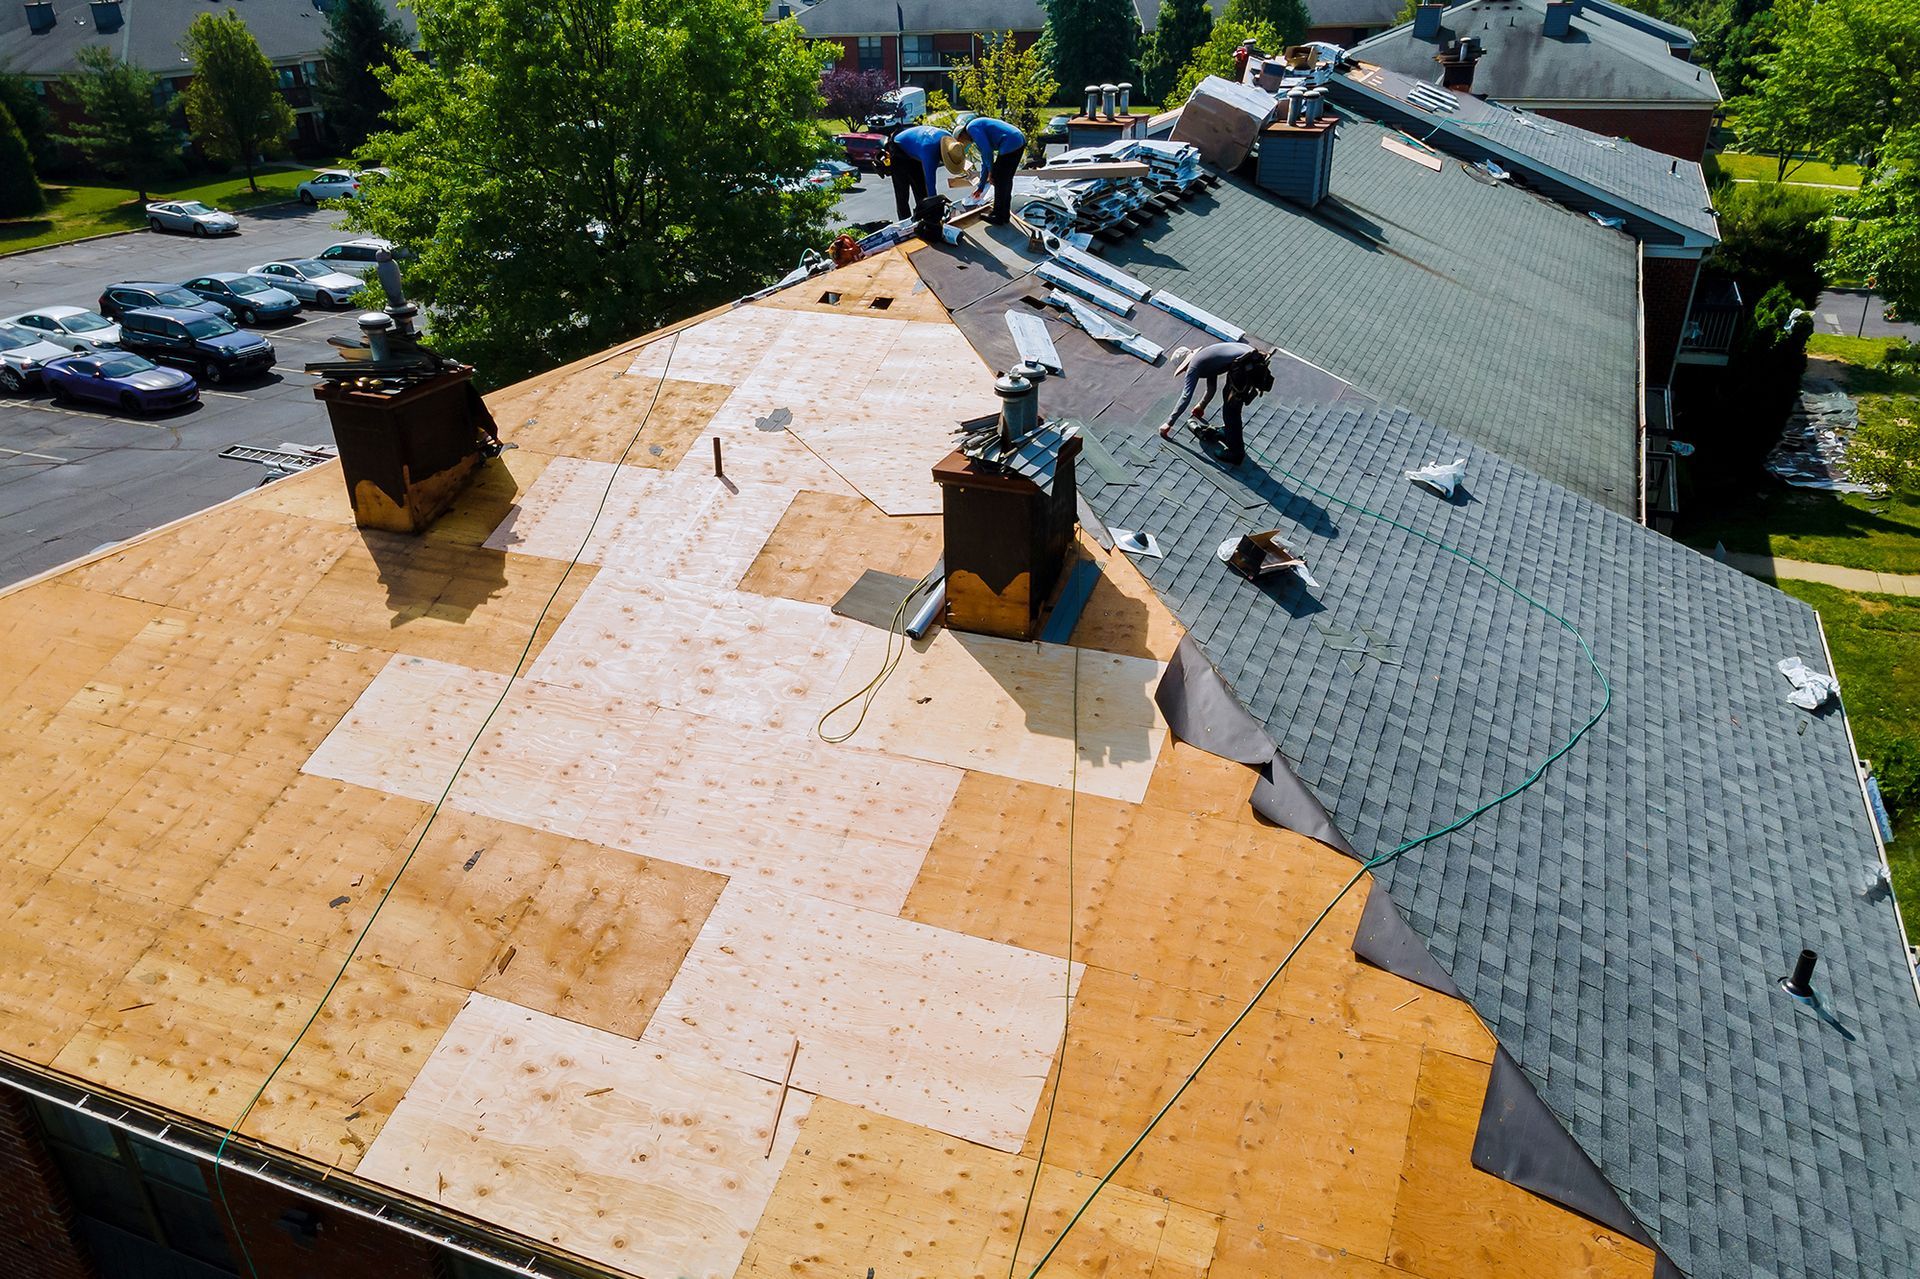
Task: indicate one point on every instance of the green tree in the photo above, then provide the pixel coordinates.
(1089, 42)
(1286, 19)
(1009, 84)
(20, 192)
(123, 130)
(36, 124)
(571, 173)
(362, 37)
(1215, 57)
(1771, 235)
(1878, 240)
(1841, 76)
(233, 103)
(1184, 26)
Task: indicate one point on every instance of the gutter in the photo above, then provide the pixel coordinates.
(198, 1141)
(1866, 806)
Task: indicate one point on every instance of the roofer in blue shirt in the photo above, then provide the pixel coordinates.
(914, 156)
(1001, 146)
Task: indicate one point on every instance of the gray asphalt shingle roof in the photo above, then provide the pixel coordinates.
(1601, 58)
(887, 17)
(151, 30)
(1621, 925)
(1524, 340)
(1626, 176)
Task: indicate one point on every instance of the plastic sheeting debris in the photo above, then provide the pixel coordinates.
(1811, 689)
(1441, 478)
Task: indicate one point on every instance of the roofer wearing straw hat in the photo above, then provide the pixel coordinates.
(1001, 146)
(914, 156)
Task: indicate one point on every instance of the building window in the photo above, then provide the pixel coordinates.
(873, 54)
(134, 1186)
(917, 51)
(288, 77)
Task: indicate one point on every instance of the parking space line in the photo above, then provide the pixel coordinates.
(225, 395)
(44, 457)
(39, 407)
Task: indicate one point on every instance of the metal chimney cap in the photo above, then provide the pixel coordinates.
(371, 320)
(1011, 385)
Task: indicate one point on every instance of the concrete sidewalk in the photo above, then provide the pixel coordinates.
(1863, 580)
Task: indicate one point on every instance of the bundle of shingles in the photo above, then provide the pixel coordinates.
(1113, 207)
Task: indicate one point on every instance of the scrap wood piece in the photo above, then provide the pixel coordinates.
(1412, 150)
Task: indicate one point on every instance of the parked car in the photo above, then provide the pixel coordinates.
(23, 353)
(121, 298)
(830, 173)
(192, 217)
(865, 150)
(250, 298)
(207, 345)
(71, 327)
(356, 257)
(328, 184)
(127, 381)
(1056, 130)
(309, 280)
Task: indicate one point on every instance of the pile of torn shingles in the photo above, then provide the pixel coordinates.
(1112, 208)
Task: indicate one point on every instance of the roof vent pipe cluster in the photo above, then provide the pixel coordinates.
(1314, 104)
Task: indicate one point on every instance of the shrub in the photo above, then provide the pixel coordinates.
(1772, 235)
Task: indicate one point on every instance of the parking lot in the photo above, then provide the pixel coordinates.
(73, 479)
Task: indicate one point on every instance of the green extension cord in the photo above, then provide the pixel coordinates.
(219, 1154)
(1371, 864)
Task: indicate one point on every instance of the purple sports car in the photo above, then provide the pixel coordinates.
(129, 382)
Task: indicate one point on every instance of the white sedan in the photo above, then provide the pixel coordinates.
(192, 217)
(310, 280)
(71, 327)
(23, 353)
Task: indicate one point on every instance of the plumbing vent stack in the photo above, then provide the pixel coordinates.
(1107, 93)
(1093, 101)
(1800, 984)
(1294, 97)
(1126, 96)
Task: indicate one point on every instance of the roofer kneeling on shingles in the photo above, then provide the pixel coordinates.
(914, 157)
(1248, 378)
(1001, 146)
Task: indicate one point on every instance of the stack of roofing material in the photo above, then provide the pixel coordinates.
(1223, 120)
(1115, 207)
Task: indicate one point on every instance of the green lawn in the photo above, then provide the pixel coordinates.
(1762, 168)
(1876, 653)
(75, 212)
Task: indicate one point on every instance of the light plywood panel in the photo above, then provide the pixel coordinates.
(64, 949)
(778, 809)
(354, 1063)
(642, 1160)
(884, 284)
(752, 660)
(1294, 1122)
(1006, 707)
(1123, 615)
(285, 703)
(718, 350)
(317, 493)
(825, 541)
(601, 940)
(1453, 1221)
(888, 456)
(925, 1025)
(604, 414)
(862, 1190)
(439, 599)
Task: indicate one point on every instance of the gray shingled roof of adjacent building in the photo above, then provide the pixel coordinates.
(1525, 341)
(1353, 13)
(1601, 58)
(1621, 925)
(151, 30)
(889, 17)
(1648, 186)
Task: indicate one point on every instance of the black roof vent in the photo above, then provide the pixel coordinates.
(1800, 983)
(40, 17)
(107, 16)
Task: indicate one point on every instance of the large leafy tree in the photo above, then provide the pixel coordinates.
(362, 37)
(1842, 75)
(1771, 235)
(233, 103)
(1878, 237)
(1183, 27)
(1007, 83)
(1089, 42)
(123, 130)
(36, 123)
(571, 173)
(1215, 57)
(1286, 19)
(20, 192)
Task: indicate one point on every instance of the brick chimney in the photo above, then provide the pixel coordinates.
(1456, 64)
(1559, 19)
(1296, 151)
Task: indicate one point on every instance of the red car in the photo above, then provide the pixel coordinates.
(865, 150)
